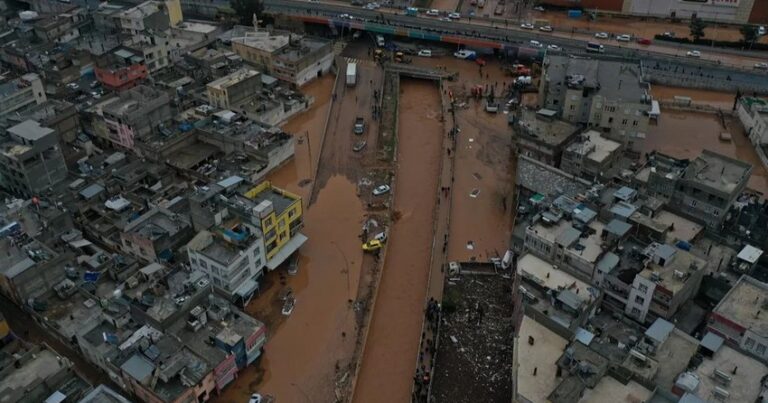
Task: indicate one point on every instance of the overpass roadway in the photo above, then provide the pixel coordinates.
(726, 74)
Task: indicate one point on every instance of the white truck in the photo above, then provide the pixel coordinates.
(351, 74)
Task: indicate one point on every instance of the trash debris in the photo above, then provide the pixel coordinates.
(474, 193)
(471, 245)
(477, 176)
(454, 339)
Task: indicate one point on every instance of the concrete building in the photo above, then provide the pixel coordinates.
(102, 394)
(150, 15)
(753, 114)
(134, 114)
(61, 116)
(121, 69)
(671, 277)
(153, 47)
(658, 178)
(31, 161)
(591, 156)
(21, 93)
(232, 256)
(605, 95)
(208, 9)
(281, 218)
(739, 317)
(292, 58)
(723, 11)
(709, 186)
(542, 136)
(232, 90)
(156, 235)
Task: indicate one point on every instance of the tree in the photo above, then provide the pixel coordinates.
(245, 10)
(749, 32)
(697, 28)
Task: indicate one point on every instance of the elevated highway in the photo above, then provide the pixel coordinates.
(736, 72)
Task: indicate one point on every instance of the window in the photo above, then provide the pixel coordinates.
(634, 123)
(643, 288)
(761, 349)
(749, 343)
(610, 120)
(624, 122)
(693, 203)
(291, 213)
(268, 222)
(573, 107)
(640, 300)
(635, 311)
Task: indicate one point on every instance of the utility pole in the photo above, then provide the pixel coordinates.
(309, 150)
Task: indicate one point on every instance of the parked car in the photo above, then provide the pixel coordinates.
(359, 126)
(644, 41)
(465, 54)
(359, 146)
(381, 189)
(545, 28)
(601, 35)
(73, 86)
(693, 53)
(761, 66)
(668, 34)
(256, 398)
(372, 245)
(433, 12)
(381, 236)
(454, 16)
(554, 48)
(535, 44)
(425, 53)
(527, 25)
(624, 38)
(539, 8)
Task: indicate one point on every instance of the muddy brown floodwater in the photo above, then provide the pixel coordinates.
(390, 353)
(685, 134)
(302, 351)
(722, 100)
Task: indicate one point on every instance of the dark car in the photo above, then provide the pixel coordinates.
(359, 126)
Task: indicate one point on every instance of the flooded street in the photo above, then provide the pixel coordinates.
(722, 100)
(390, 354)
(302, 350)
(684, 134)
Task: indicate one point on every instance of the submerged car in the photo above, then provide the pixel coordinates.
(372, 245)
(381, 189)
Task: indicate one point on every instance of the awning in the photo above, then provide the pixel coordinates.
(287, 250)
(246, 288)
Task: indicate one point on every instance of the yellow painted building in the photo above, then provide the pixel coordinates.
(281, 215)
(4, 328)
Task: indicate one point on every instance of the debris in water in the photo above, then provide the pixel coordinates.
(471, 245)
(477, 176)
(474, 193)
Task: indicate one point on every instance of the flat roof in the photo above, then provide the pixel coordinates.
(30, 130)
(681, 229)
(745, 384)
(262, 40)
(750, 254)
(542, 355)
(742, 303)
(611, 390)
(551, 131)
(548, 276)
(717, 171)
(681, 262)
(41, 367)
(594, 146)
(233, 78)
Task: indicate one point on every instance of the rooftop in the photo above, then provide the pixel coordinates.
(215, 247)
(676, 270)
(261, 40)
(158, 223)
(611, 390)
(39, 367)
(542, 355)
(681, 229)
(297, 50)
(279, 198)
(745, 384)
(30, 130)
(11, 87)
(593, 146)
(717, 171)
(103, 394)
(233, 78)
(551, 131)
(674, 355)
(610, 79)
(546, 275)
(546, 180)
(744, 303)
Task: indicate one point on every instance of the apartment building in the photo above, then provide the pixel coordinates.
(257, 47)
(21, 93)
(608, 96)
(280, 216)
(156, 235)
(31, 161)
(739, 317)
(708, 187)
(542, 136)
(753, 114)
(121, 69)
(134, 114)
(232, 90)
(150, 15)
(232, 255)
(591, 156)
(670, 277)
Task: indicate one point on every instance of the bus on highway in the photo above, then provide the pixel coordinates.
(595, 47)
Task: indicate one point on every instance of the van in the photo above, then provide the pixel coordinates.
(595, 47)
(380, 41)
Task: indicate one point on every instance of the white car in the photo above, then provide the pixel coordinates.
(693, 53)
(425, 53)
(601, 35)
(527, 25)
(73, 86)
(464, 54)
(381, 189)
(454, 16)
(761, 66)
(624, 38)
(255, 398)
(554, 48)
(433, 12)
(545, 28)
(539, 8)
(535, 44)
